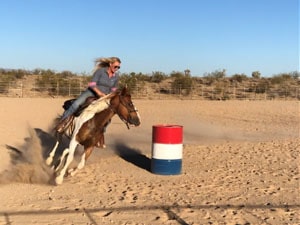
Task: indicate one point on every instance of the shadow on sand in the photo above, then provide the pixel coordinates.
(133, 156)
(47, 141)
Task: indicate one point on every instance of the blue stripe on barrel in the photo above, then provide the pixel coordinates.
(166, 149)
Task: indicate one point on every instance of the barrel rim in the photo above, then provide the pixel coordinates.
(168, 126)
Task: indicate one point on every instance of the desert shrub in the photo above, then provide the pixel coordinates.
(5, 81)
(14, 74)
(58, 85)
(212, 77)
(157, 77)
(47, 72)
(142, 77)
(239, 78)
(281, 79)
(295, 75)
(256, 74)
(259, 87)
(68, 87)
(132, 81)
(182, 84)
(220, 90)
(127, 80)
(66, 74)
(45, 82)
(19, 74)
(263, 86)
(176, 74)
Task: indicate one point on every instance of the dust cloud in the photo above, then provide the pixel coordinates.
(26, 163)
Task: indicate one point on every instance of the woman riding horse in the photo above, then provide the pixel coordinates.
(105, 80)
(89, 126)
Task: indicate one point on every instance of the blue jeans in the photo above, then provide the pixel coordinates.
(77, 103)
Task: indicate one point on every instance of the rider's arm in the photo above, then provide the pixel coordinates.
(96, 78)
(97, 91)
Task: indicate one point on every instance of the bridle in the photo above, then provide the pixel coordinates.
(128, 106)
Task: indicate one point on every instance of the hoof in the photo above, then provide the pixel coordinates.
(70, 171)
(100, 146)
(49, 161)
(72, 174)
(58, 180)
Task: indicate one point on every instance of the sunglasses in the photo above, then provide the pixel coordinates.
(117, 67)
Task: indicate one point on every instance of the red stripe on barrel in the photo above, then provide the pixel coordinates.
(167, 134)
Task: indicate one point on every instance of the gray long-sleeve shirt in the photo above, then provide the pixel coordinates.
(103, 82)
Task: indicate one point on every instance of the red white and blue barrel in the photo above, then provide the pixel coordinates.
(166, 149)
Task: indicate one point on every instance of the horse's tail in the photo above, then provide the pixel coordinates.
(63, 125)
(70, 128)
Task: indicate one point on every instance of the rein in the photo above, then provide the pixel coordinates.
(127, 107)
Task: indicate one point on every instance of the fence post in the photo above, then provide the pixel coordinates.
(22, 89)
(266, 94)
(69, 88)
(57, 88)
(180, 91)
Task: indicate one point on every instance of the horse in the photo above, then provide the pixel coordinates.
(88, 129)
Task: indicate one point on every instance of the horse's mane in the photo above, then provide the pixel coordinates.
(95, 107)
(98, 105)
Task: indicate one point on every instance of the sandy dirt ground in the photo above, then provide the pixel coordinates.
(240, 166)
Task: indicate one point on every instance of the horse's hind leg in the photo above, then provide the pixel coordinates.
(61, 161)
(49, 159)
(72, 147)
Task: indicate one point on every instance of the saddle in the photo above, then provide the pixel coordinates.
(67, 104)
(64, 124)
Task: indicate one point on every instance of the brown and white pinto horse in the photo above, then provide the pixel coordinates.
(88, 128)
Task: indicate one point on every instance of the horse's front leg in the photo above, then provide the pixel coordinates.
(72, 147)
(87, 152)
(101, 142)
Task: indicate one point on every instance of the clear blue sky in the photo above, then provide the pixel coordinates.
(240, 36)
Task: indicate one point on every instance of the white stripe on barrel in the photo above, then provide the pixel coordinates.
(166, 149)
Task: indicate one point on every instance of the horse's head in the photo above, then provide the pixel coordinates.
(123, 106)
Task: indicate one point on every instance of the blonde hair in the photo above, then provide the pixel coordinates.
(105, 62)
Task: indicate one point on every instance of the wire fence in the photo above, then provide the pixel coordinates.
(23, 89)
